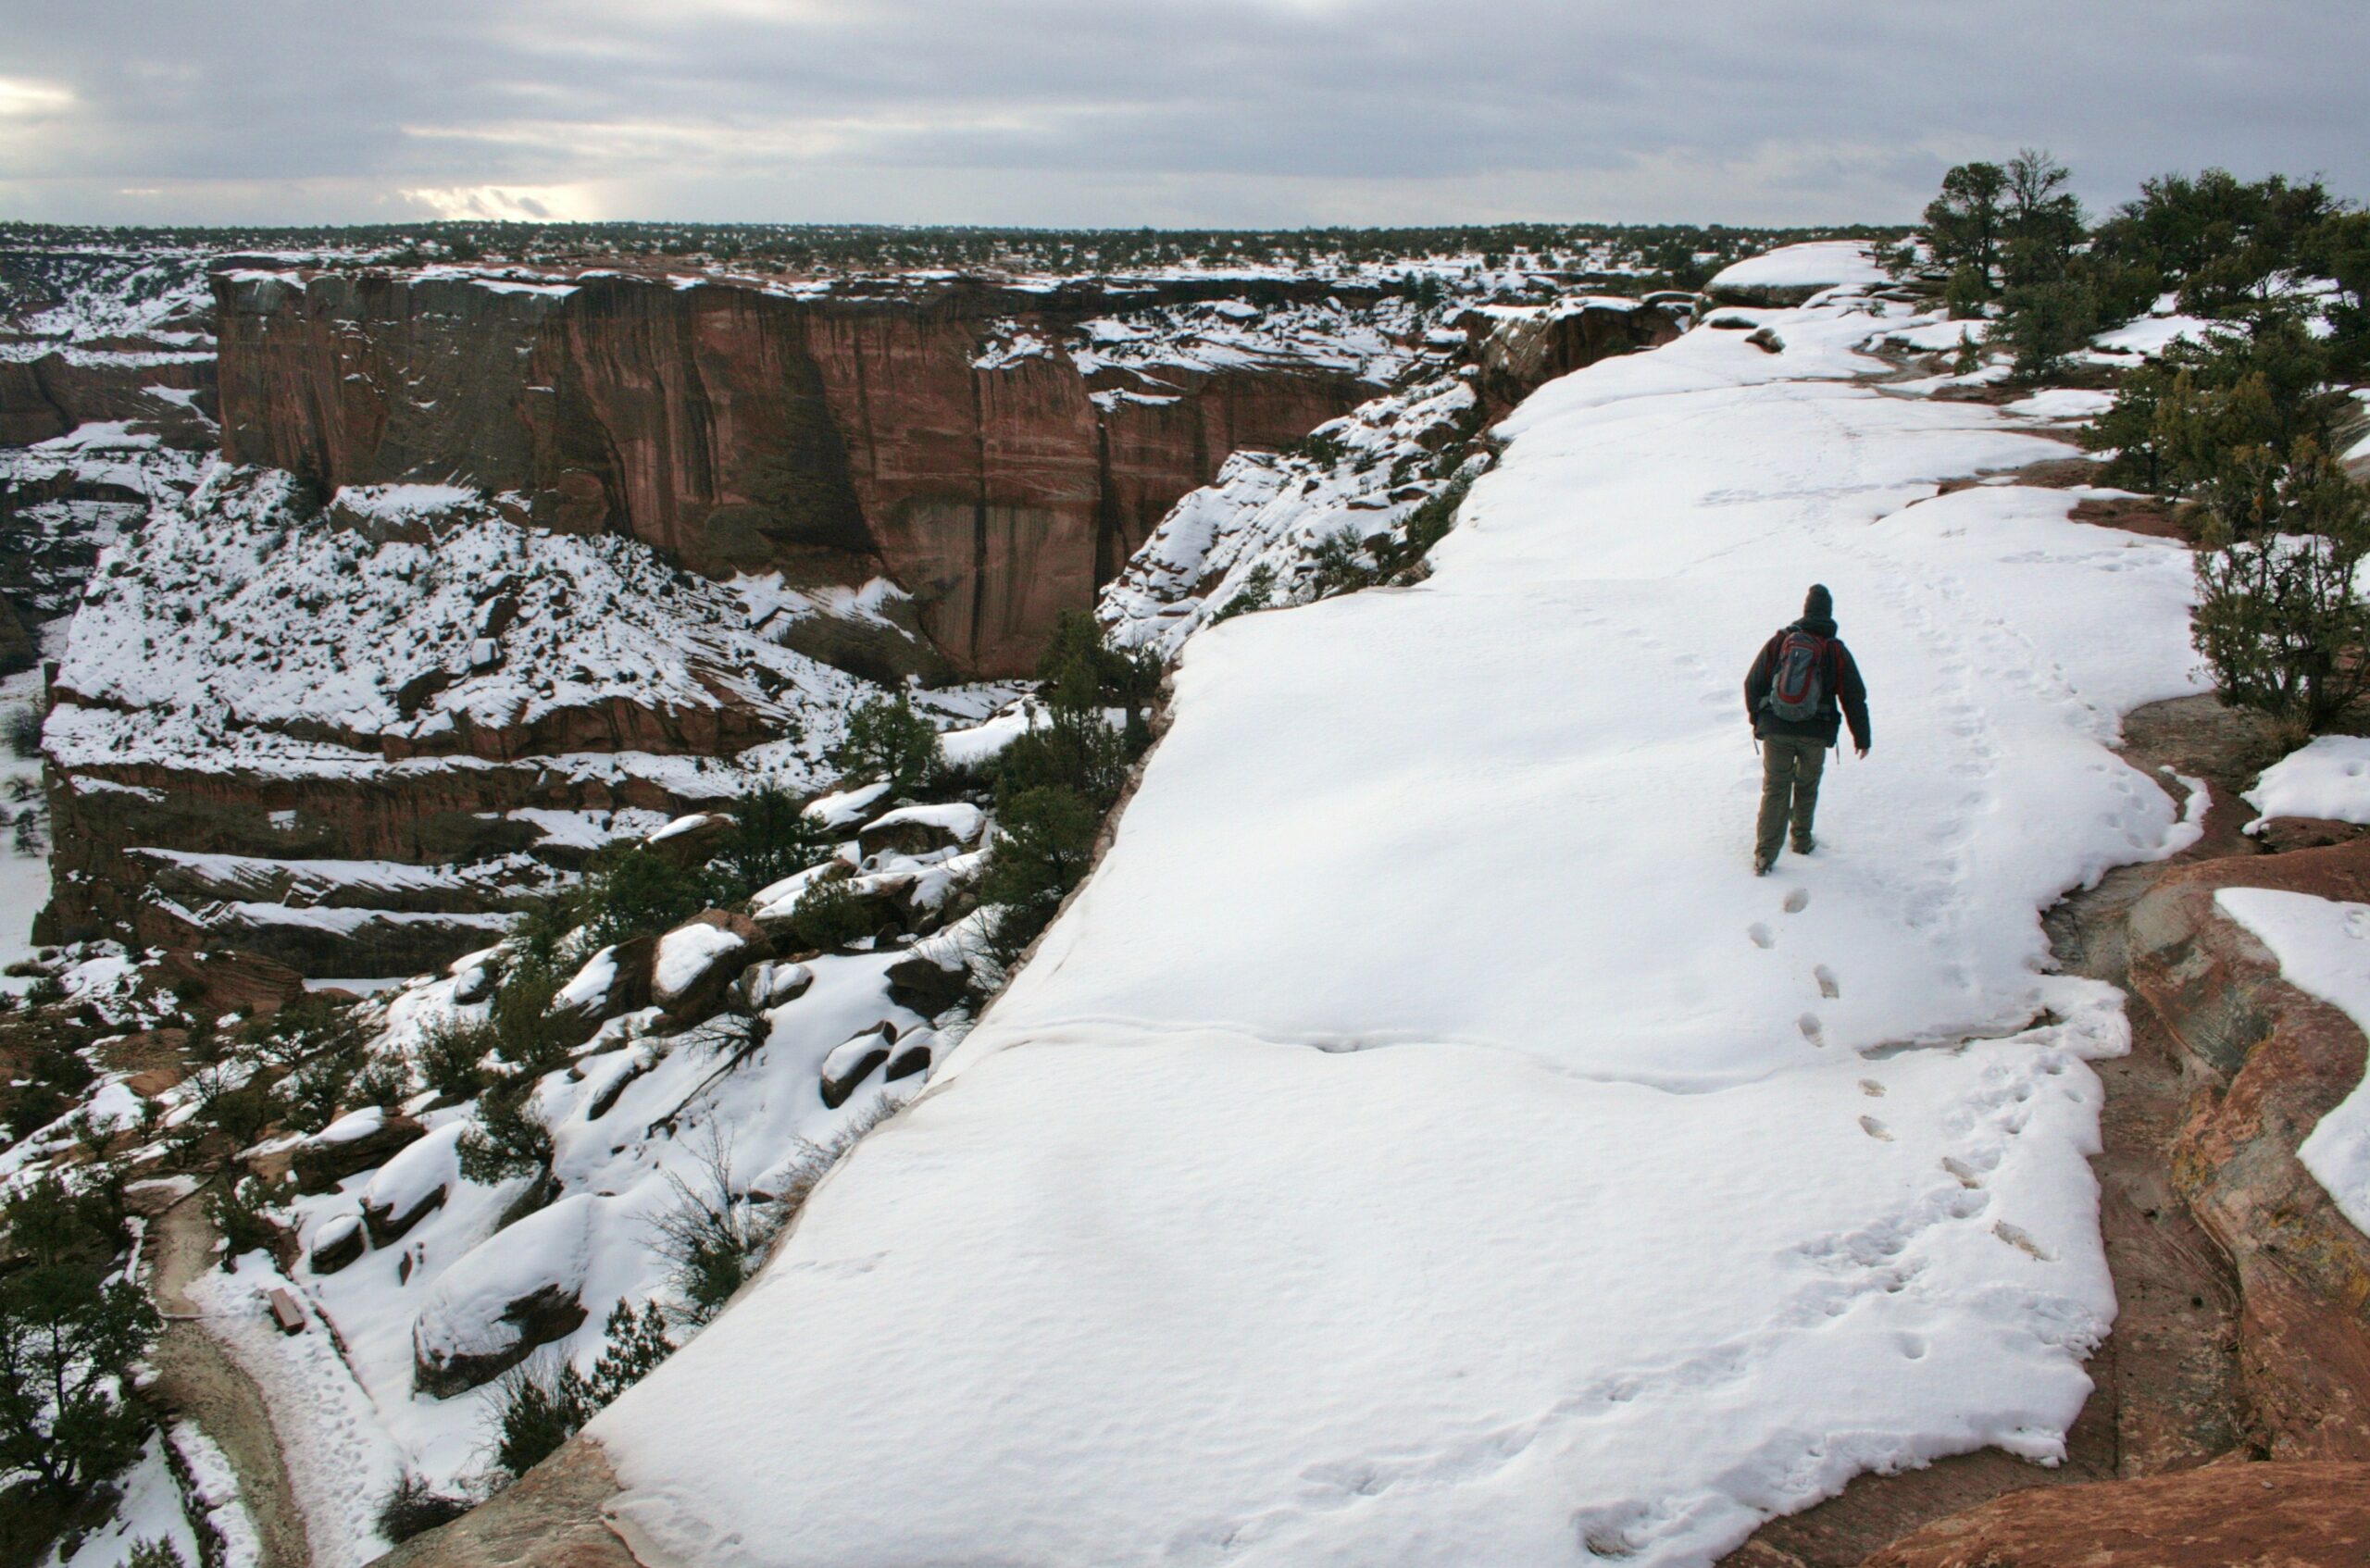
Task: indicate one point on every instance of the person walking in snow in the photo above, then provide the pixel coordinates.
(1803, 684)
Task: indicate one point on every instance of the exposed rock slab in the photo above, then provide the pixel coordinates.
(2306, 1515)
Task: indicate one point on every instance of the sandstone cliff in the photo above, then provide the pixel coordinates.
(996, 451)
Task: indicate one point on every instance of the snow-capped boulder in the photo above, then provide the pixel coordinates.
(337, 1243)
(914, 1053)
(2328, 781)
(701, 956)
(847, 808)
(690, 840)
(518, 1289)
(613, 981)
(850, 1062)
(915, 830)
(413, 1185)
(353, 1143)
(927, 983)
(771, 985)
(1791, 274)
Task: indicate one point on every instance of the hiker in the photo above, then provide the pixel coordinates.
(1801, 686)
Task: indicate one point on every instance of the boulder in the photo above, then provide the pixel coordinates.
(613, 982)
(914, 1055)
(927, 985)
(2283, 835)
(914, 830)
(771, 985)
(2226, 1515)
(2266, 1062)
(695, 963)
(513, 1291)
(413, 1185)
(693, 840)
(350, 1145)
(852, 1062)
(337, 1243)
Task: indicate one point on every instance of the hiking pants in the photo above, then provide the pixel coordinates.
(1790, 769)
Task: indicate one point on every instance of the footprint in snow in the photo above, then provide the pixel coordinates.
(1962, 1171)
(1826, 984)
(1872, 1089)
(1798, 901)
(1875, 1130)
(1812, 1030)
(2021, 1240)
(1761, 934)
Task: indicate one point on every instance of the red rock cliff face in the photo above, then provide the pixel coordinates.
(830, 439)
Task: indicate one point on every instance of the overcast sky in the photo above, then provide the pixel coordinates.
(1127, 112)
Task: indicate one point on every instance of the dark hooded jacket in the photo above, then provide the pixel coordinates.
(1844, 690)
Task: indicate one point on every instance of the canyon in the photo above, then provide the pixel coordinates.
(931, 432)
(499, 562)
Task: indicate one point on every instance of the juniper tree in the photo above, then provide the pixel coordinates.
(2280, 618)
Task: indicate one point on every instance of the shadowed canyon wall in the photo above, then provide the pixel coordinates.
(829, 438)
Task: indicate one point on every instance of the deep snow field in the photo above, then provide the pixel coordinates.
(1424, 1141)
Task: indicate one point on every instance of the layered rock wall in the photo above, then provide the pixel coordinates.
(742, 428)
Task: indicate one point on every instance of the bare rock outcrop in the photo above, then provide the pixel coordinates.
(829, 436)
(2268, 1062)
(2304, 1515)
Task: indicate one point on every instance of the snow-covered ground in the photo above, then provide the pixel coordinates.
(24, 839)
(1423, 1141)
(1818, 264)
(2329, 779)
(2323, 949)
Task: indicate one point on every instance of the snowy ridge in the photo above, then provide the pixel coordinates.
(1423, 1141)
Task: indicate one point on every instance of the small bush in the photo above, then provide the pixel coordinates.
(2044, 323)
(238, 1209)
(1087, 758)
(886, 740)
(507, 1139)
(713, 1242)
(525, 1036)
(1339, 563)
(1257, 593)
(451, 1056)
(829, 915)
(1044, 842)
(539, 1405)
(413, 1508)
(637, 892)
(772, 838)
(20, 728)
(634, 1342)
(2281, 619)
(155, 1554)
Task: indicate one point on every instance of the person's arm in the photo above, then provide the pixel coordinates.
(1854, 693)
(1757, 679)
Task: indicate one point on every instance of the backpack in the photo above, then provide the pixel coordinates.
(1798, 686)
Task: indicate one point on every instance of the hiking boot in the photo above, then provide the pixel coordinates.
(1761, 864)
(1804, 843)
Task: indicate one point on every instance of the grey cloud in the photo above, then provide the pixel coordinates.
(1213, 111)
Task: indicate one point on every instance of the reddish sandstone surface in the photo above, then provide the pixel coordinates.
(831, 438)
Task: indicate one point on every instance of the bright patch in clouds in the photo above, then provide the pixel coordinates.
(504, 204)
(21, 98)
